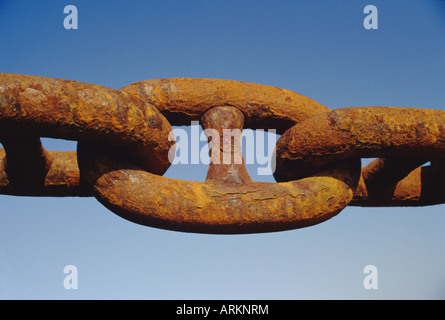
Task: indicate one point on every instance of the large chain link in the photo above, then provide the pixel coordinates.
(124, 140)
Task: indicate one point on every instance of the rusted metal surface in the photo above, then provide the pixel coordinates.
(66, 109)
(182, 100)
(228, 202)
(27, 163)
(405, 138)
(209, 207)
(61, 180)
(421, 187)
(123, 147)
(225, 168)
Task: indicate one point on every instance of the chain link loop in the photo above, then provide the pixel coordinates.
(124, 139)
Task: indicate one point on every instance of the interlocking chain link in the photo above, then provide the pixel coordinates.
(124, 139)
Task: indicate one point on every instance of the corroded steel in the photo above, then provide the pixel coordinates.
(405, 138)
(123, 147)
(421, 187)
(62, 178)
(228, 202)
(225, 168)
(31, 107)
(66, 109)
(182, 100)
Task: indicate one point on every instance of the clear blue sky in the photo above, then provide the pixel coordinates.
(318, 48)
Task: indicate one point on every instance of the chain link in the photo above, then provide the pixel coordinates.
(124, 139)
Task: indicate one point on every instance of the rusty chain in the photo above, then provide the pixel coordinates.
(124, 140)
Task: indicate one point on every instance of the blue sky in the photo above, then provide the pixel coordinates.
(318, 48)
